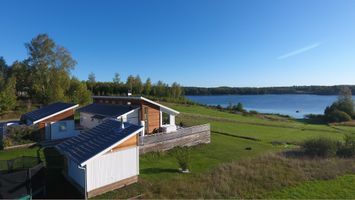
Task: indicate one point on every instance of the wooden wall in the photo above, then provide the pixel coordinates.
(132, 141)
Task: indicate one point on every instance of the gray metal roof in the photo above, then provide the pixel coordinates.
(108, 110)
(96, 140)
(46, 111)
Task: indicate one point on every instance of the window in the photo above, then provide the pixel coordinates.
(166, 118)
(62, 126)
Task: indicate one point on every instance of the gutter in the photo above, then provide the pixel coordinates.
(85, 180)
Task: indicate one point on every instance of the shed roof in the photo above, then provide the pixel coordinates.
(97, 140)
(48, 111)
(108, 110)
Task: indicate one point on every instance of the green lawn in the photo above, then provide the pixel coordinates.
(15, 153)
(342, 187)
(226, 146)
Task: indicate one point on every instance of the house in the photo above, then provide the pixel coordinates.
(136, 110)
(103, 158)
(54, 121)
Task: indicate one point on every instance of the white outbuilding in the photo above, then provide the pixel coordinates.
(103, 158)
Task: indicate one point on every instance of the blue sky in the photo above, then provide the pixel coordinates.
(193, 42)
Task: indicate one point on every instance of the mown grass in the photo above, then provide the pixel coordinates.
(15, 153)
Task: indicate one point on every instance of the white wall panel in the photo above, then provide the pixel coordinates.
(112, 167)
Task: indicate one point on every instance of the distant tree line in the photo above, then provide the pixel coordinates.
(134, 85)
(320, 90)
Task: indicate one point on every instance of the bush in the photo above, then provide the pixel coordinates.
(348, 148)
(337, 116)
(182, 156)
(323, 147)
(20, 135)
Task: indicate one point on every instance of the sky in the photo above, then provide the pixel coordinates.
(250, 43)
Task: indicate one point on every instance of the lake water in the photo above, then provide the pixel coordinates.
(286, 104)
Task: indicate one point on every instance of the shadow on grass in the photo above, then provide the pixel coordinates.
(158, 170)
(296, 153)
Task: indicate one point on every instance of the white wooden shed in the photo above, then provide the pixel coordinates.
(103, 158)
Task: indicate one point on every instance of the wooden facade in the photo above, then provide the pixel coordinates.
(149, 113)
(131, 142)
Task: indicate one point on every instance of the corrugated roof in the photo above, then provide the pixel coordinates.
(46, 111)
(109, 110)
(96, 140)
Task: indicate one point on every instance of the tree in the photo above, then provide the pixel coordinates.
(342, 109)
(147, 87)
(50, 66)
(78, 92)
(8, 95)
(116, 79)
(92, 78)
(137, 85)
(91, 81)
(176, 90)
(3, 68)
(22, 72)
(130, 83)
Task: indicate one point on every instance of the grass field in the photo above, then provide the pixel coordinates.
(268, 135)
(340, 188)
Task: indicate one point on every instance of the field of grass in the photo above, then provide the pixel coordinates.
(339, 188)
(230, 148)
(159, 170)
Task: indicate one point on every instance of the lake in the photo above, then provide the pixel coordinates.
(286, 104)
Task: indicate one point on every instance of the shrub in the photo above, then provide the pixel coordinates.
(182, 156)
(348, 148)
(323, 147)
(20, 135)
(253, 112)
(337, 116)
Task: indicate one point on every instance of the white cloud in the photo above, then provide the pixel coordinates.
(299, 51)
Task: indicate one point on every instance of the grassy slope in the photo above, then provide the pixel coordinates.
(158, 168)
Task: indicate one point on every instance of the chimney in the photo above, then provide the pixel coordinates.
(122, 124)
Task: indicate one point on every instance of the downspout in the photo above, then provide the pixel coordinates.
(85, 180)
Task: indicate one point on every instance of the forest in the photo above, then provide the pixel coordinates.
(319, 90)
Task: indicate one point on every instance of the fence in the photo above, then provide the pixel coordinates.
(21, 177)
(182, 137)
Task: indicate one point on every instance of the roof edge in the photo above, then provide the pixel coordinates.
(49, 116)
(139, 98)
